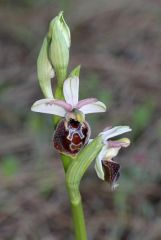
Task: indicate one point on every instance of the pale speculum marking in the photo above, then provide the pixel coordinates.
(73, 131)
(75, 146)
(75, 134)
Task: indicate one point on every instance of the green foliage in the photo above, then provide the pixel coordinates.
(130, 178)
(9, 165)
(120, 200)
(46, 187)
(141, 118)
(37, 122)
(91, 87)
(105, 96)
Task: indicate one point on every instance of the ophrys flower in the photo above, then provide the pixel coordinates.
(106, 168)
(72, 132)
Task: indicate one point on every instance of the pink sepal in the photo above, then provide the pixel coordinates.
(68, 107)
(117, 144)
(85, 102)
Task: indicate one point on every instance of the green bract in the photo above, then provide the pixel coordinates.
(45, 70)
(75, 72)
(79, 166)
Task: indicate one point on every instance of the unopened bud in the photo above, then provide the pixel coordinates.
(59, 35)
(54, 55)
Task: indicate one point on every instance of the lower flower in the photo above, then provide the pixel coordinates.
(106, 168)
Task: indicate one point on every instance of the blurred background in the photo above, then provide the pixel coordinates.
(118, 44)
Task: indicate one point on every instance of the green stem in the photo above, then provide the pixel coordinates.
(75, 203)
(78, 221)
(66, 160)
(77, 213)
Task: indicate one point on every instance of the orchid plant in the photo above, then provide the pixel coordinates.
(72, 132)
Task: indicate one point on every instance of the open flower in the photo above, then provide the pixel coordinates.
(106, 168)
(61, 108)
(72, 132)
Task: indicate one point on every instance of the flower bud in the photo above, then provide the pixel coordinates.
(54, 55)
(59, 36)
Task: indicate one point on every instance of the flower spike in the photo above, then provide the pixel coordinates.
(72, 132)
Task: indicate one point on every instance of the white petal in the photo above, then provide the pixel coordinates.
(71, 90)
(48, 106)
(93, 107)
(115, 131)
(98, 164)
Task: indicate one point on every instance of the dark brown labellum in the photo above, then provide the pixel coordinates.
(70, 136)
(111, 170)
